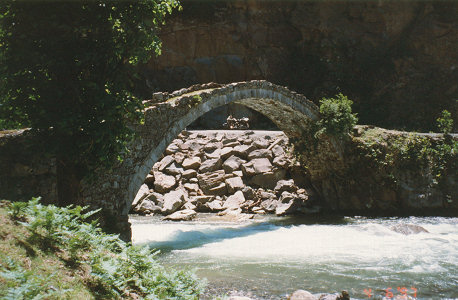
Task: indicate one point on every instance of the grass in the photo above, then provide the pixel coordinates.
(34, 265)
(48, 252)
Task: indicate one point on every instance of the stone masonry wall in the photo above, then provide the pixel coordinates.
(25, 171)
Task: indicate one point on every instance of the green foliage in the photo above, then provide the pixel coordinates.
(118, 269)
(445, 122)
(336, 115)
(195, 100)
(23, 284)
(436, 157)
(68, 68)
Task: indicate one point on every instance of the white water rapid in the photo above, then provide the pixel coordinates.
(269, 258)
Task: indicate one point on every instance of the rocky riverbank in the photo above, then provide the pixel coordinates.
(233, 173)
(305, 295)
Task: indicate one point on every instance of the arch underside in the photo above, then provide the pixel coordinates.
(287, 119)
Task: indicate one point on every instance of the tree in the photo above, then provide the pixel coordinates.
(336, 117)
(67, 70)
(445, 122)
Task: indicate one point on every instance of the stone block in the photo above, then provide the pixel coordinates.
(210, 165)
(257, 166)
(173, 201)
(163, 183)
(192, 163)
(234, 184)
(182, 215)
(210, 180)
(232, 164)
(260, 153)
(234, 201)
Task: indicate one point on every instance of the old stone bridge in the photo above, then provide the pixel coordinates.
(166, 115)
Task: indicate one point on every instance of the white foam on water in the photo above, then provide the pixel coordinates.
(364, 242)
(316, 244)
(363, 253)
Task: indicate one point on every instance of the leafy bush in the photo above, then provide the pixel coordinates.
(118, 269)
(337, 118)
(445, 122)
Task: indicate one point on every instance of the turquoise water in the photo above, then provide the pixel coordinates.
(271, 257)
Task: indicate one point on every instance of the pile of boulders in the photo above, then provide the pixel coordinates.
(232, 173)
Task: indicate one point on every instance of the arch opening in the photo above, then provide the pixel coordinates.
(290, 113)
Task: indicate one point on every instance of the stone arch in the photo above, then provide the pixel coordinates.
(288, 110)
(166, 115)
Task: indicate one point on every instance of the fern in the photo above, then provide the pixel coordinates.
(119, 267)
(22, 284)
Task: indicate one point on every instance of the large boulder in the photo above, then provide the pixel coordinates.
(173, 201)
(192, 188)
(149, 180)
(210, 180)
(302, 295)
(257, 166)
(243, 150)
(261, 143)
(281, 161)
(142, 193)
(165, 162)
(173, 169)
(179, 157)
(288, 204)
(266, 195)
(268, 180)
(233, 163)
(193, 145)
(260, 153)
(231, 142)
(278, 151)
(269, 205)
(215, 205)
(192, 163)
(210, 147)
(407, 229)
(234, 184)
(182, 215)
(335, 296)
(189, 174)
(147, 207)
(156, 198)
(226, 152)
(285, 185)
(163, 183)
(173, 148)
(234, 201)
(219, 190)
(214, 154)
(248, 192)
(210, 165)
(201, 201)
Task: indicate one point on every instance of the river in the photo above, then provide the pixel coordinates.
(271, 257)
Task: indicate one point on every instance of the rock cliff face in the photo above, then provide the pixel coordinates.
(396, 59)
